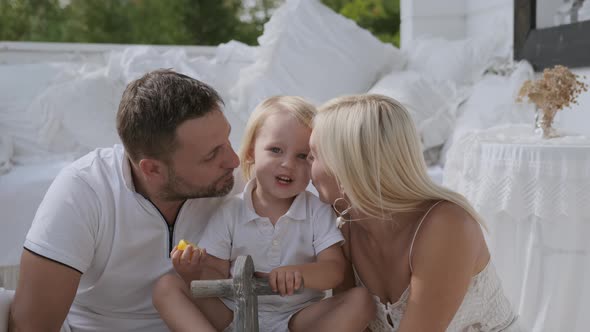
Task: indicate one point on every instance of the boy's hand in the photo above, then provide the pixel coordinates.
(188, 262)
(284, 279)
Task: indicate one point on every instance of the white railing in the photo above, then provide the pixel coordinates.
(34, 52)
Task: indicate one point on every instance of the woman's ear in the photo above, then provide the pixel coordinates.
(250, 156)
(340, 188)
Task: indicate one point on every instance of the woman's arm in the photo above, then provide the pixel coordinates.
(445, 258)
(348, 282)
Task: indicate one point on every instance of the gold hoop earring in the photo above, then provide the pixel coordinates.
(340, 220)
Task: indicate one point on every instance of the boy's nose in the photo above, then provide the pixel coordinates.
(287, 163)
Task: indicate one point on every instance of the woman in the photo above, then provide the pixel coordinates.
(416, 246)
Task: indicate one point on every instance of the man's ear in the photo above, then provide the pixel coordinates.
(152, 169)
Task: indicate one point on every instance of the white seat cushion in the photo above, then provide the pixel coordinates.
(5, 300)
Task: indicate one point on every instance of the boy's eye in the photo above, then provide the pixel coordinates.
(275, 150)
(302, 156)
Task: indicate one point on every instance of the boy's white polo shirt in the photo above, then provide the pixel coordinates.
(298, 237)
(94, 221)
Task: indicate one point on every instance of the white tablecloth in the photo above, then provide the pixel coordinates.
(534, 195)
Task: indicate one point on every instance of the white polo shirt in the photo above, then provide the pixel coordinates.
(298, 237)
(94, 221)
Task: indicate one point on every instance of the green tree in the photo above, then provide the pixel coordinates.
(211, 22)
(183, 22)
(192, 22)
(381, 17)
(254, 17)
(159, 22)
(97, 21)
(30, 20)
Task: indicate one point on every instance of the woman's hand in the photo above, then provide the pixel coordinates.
(188, 263)
(286, 280)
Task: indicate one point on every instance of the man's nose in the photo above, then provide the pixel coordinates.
(232, 161)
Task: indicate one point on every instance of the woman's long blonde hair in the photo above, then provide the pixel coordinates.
(296, 106)
(370, 144)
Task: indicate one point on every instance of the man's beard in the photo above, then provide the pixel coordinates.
(177, 189)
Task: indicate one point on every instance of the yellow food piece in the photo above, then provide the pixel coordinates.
(182, 244)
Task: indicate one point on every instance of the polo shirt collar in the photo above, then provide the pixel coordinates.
(297, 211)
(126, 171)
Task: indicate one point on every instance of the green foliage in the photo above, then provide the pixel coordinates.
(96, 21)
(192, 22)
(162, 22)
(381, 17)
(181, 22)
(30, 20)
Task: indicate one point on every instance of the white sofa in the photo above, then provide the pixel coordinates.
(306, 50)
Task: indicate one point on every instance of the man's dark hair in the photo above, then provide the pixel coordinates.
(152, 108)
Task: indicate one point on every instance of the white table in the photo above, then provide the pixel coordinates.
(534, 195)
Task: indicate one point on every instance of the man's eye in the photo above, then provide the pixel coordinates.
(212, 155)
(275, 150)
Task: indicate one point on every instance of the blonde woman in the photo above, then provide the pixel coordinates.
(416, 246)
(291, 236)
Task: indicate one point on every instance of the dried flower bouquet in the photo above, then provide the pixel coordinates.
(556, 90)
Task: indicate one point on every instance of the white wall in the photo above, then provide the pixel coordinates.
(481, 16)
(546, 10)
(453, 19)
(457, 19)
(577, 119)
(432, 18)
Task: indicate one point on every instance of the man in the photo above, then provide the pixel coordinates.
(103, 233)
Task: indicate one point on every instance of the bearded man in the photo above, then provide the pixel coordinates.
(103, 233)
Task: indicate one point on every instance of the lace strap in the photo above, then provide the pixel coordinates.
(416, 233)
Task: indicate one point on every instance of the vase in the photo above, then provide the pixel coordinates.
(544, 123)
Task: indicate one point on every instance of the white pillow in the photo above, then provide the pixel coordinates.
(311, 51)
(431, 103)
(492, 103)
(6, 151)
(86, 107)
(461, 61)
(6, 297)
(20, 123)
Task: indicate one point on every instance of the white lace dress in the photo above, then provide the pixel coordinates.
(485, 308)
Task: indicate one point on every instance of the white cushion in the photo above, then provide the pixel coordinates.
(29, 128)
(311, 51)
(431, 103)
(461, 61)
(492, 103)
(5, 300)
(6, 150)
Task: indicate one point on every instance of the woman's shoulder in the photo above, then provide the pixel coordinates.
(448, 232)
(449, 218)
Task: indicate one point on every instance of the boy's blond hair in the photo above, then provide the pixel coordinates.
(296, 106)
